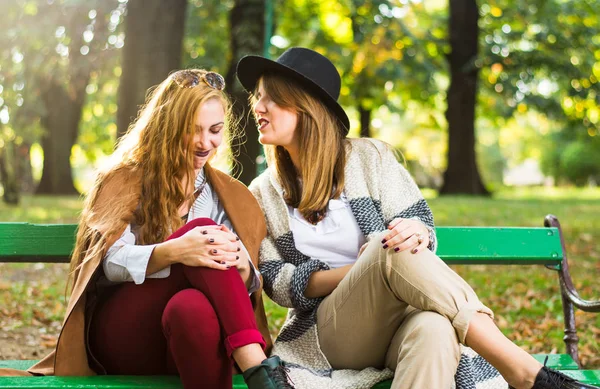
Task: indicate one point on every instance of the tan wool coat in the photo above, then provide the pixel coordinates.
(70, 358)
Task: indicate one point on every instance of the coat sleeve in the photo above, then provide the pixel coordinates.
(398, 189)
(284, 281)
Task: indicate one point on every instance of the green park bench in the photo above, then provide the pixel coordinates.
(26, 243)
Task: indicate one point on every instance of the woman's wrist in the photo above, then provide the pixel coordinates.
(430, 232)
(163, 252)
(245, 270)
(244, 263)
(321, 283)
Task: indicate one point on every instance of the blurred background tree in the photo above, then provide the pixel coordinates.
(49, 52)
(247, 33)
(153, 48)
(463, 112)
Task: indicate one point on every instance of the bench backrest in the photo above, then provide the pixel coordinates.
(24, 242)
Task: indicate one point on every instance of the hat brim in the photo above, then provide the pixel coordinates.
(251, 68)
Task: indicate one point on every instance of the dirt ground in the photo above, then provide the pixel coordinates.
(31, 309)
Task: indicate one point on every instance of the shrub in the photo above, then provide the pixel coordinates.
(579, 161)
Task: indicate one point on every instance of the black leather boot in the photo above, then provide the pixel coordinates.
(551, 379)
(270, 374)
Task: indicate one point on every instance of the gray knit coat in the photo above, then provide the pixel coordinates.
(379, 189)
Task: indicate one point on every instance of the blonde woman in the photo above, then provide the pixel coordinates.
(350, 248)
(161, 281)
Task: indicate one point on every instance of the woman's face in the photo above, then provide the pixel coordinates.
(276, 125)
(210, 122)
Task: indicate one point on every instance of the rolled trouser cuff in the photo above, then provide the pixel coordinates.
(244, 338)
(465, 314)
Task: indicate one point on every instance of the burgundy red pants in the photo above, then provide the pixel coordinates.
(188, 324)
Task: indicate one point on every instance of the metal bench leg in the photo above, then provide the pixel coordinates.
(569, 295)
(571, 339)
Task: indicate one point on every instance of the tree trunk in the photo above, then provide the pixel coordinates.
(365, 122)
(61, 122)
(27, 184)
(153, 47)
(247, 26)
(8, 175)
(462, 175)
(64, 95)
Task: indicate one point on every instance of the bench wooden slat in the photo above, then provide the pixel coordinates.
(497, 245)
(562, 362)
(555, 361)
(591, 377)
(96, 382)
(24, 242)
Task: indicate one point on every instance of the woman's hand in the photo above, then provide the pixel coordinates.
(244, 261)
(207, 246)
(406, 234)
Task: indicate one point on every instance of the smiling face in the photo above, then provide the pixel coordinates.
(210, 123)
(276, 125)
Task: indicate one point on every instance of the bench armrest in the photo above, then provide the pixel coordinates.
(567, 287)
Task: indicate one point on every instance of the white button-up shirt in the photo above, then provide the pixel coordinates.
(127, 261)
(335, 240)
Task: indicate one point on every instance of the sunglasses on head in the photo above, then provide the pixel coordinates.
(190, 79)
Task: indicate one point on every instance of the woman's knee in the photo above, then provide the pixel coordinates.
(200, 222)
(190, 310)
(375, 252)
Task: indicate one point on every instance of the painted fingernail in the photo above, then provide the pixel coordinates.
(236, 257)
(222, 262)
(238, 249)
(383, 241)
(229, 267)
(204, 232)
(414, 251)
(237, 238)
(214, 251)
(385, 246)
(397, 249)
(211, 240)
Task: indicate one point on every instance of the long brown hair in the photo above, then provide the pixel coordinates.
(155, 145)
(322, 152)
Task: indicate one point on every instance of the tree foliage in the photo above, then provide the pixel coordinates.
(538, 62)
(388, 53)
(543, 56)
(49, 53)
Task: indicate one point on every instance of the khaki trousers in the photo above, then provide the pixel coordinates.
(404, 311)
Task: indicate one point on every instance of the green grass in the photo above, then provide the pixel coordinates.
(526, 300)
(43, 209)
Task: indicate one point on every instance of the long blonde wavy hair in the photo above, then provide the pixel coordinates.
(156, 145)
(322, 149)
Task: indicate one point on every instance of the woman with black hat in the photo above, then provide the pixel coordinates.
(350, 248)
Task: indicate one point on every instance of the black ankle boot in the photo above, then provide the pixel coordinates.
(270, 374)
(551, 379)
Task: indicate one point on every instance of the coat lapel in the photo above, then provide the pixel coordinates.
(108, 223)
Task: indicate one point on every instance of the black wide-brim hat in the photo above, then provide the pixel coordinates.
(312, 70)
